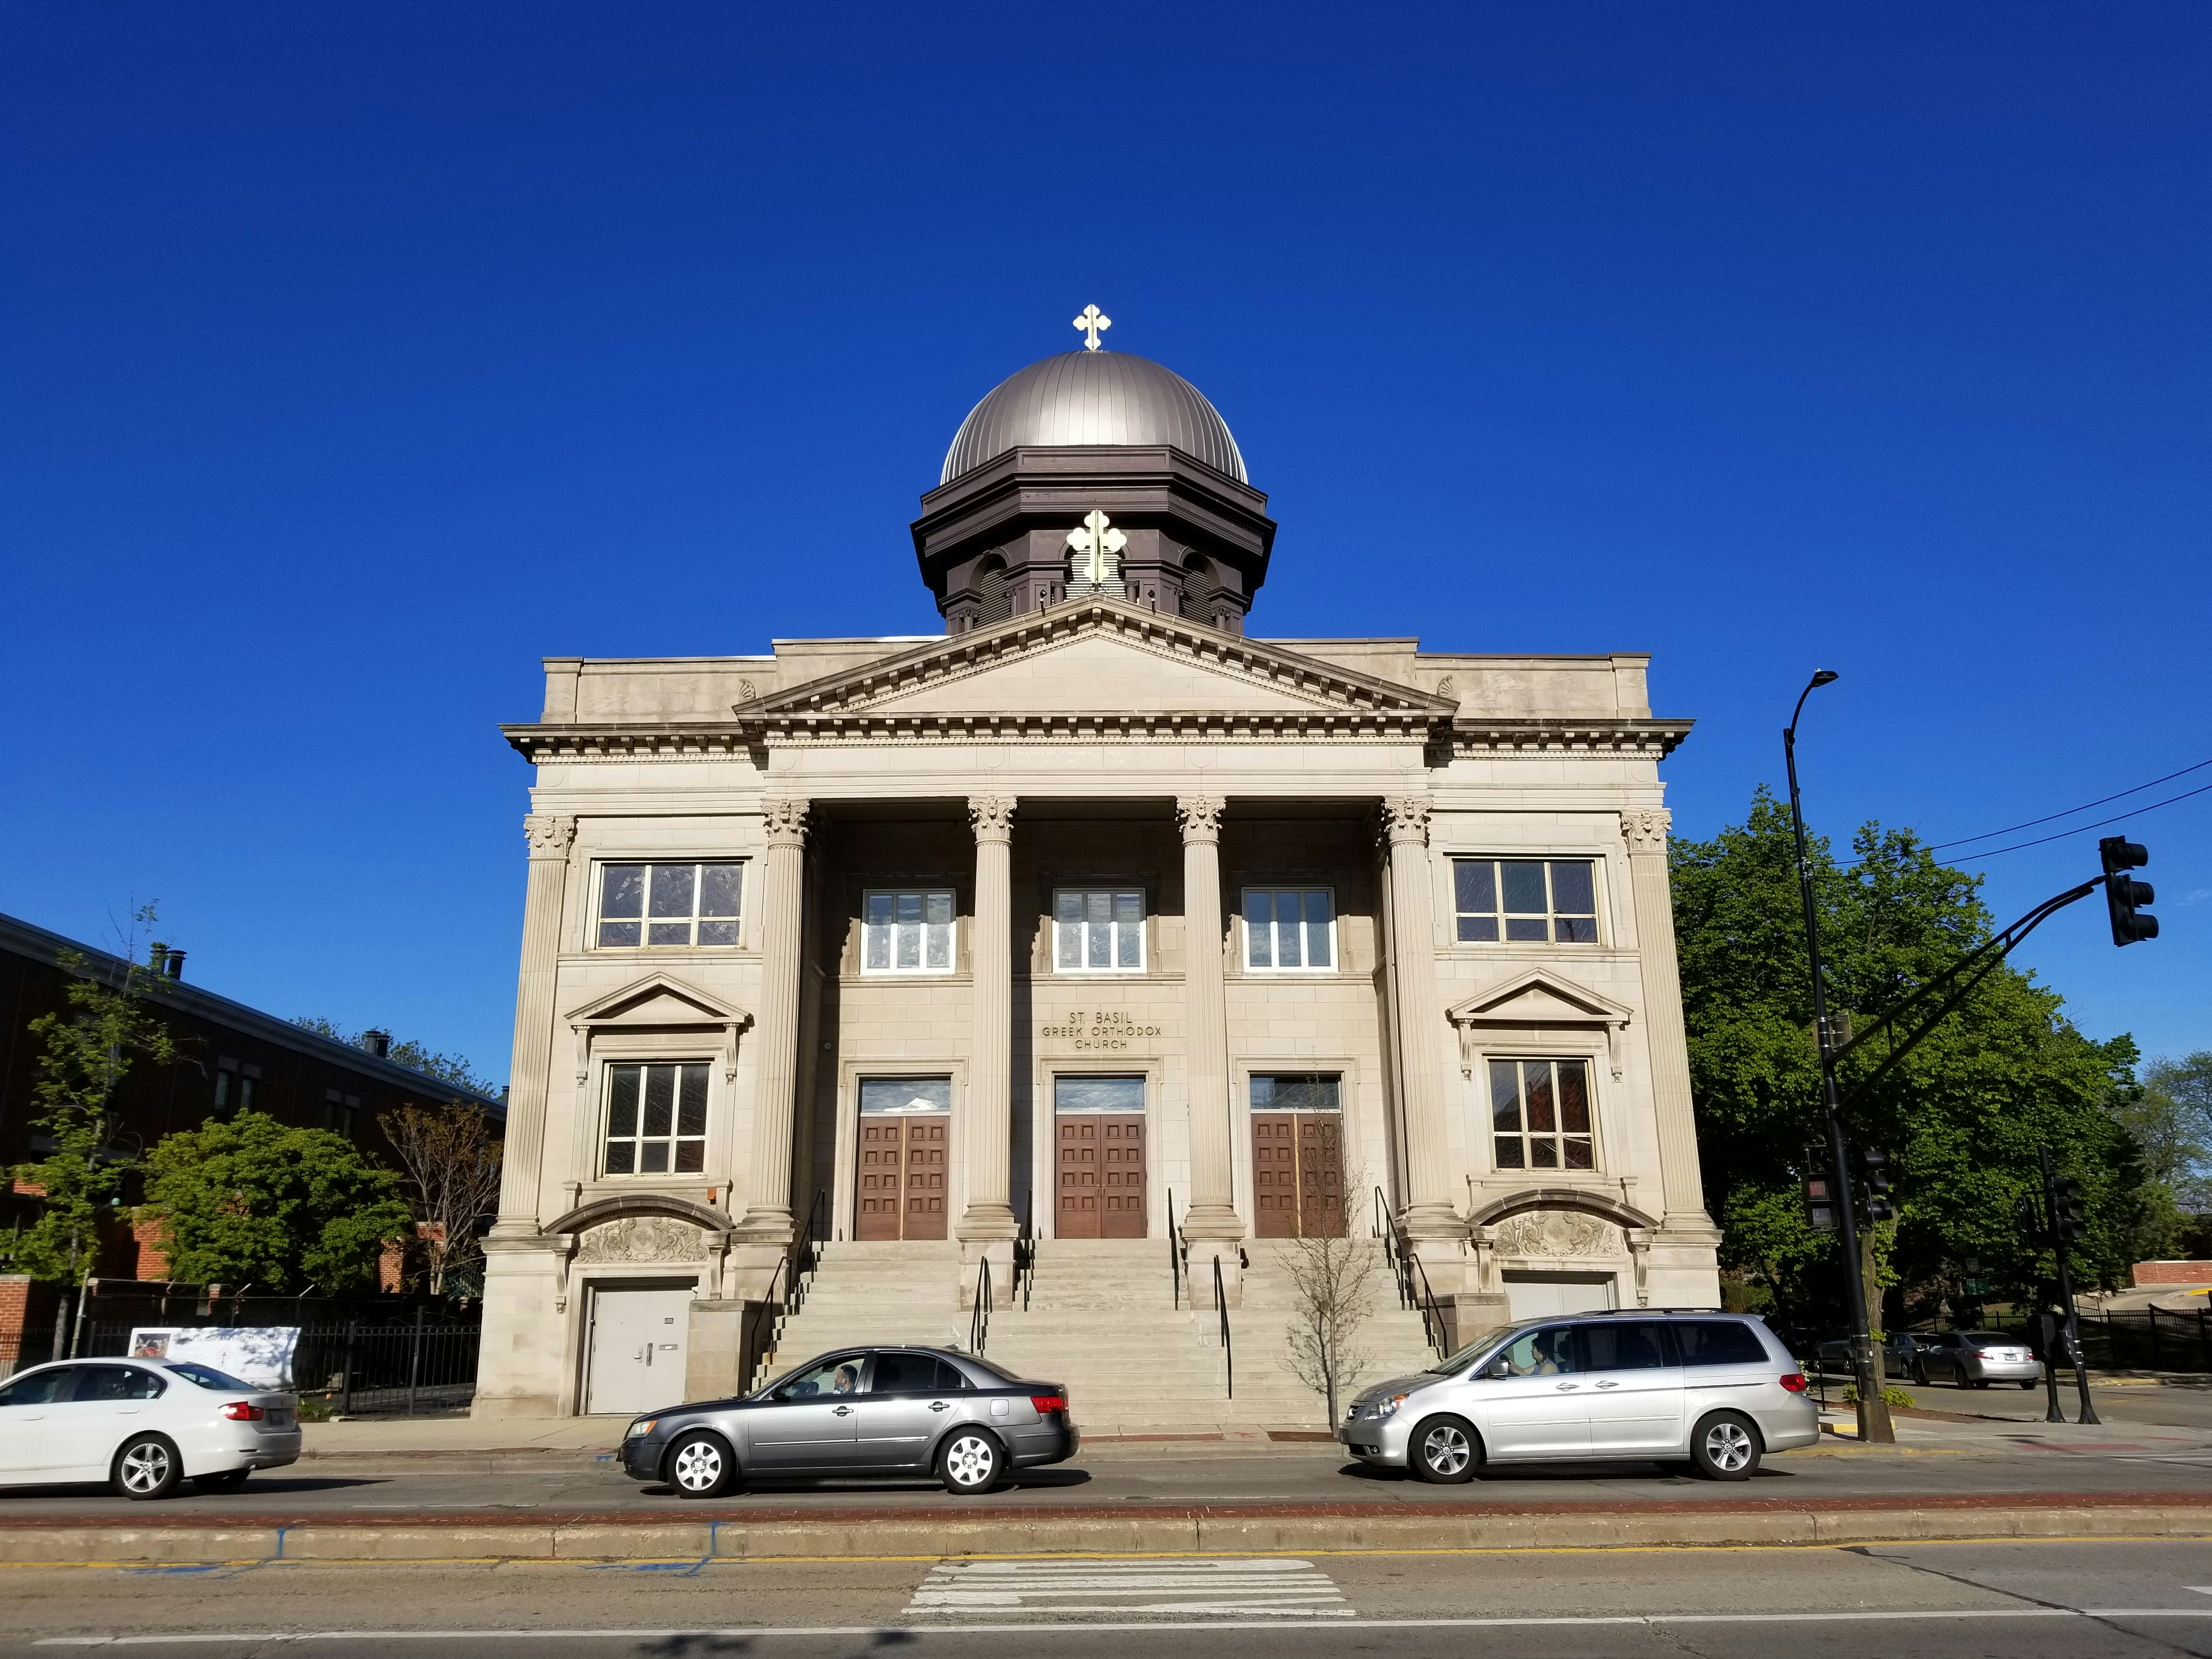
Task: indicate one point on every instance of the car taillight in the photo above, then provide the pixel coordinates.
(239, 1411)
(1793, 1381)
(1047, 1403)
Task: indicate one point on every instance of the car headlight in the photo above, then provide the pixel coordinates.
(643, 1426)
(1380, 1408)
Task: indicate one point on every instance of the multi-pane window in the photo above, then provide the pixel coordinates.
(1305, 1092)
(1540, 1114)
(1290, 927)
(1098, 930)
(656, 1119)
(1536, 901)
(669, 904)
(907, 933)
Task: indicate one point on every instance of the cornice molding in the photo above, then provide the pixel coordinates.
(1479, 735)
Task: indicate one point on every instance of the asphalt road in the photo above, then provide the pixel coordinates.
(2083, 1601)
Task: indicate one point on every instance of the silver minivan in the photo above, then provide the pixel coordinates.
(1714, 1391)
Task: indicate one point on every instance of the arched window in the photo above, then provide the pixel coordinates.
(990, 588)
(1200, 585)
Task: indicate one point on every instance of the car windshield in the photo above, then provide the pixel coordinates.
(1453, 1365)
(208, 1378)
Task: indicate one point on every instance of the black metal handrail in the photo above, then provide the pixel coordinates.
(1024, 1255)
(979, 1318)
(1227, 1353)
(793, 1277)
(1413, 1290)
(1178, 1253)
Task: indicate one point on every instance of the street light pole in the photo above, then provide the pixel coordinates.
(1866, 1365)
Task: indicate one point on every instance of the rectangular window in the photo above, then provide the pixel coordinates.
(907, 933)
(656, 1119)
(1290, 928)
(1098, 930)
(905, 1096)
(1306, 1093)
(1525, 900)
(1540, 1113)
(648, 904)
(1098, 1094)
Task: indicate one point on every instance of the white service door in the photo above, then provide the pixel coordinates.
(637, 1349)
(1549, 1296)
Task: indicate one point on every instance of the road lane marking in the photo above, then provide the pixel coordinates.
(1648, 1621)
(1286, 1589)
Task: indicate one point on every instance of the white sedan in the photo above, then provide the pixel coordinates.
(141, 1426)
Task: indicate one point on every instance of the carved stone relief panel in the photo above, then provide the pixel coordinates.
(1556, 1232)
(643, 1238)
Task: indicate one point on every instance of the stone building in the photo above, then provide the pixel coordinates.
(1087, 952)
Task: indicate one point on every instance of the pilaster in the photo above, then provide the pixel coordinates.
(989, 1214)
(768, 1223)
(549, 839)
(1212, 1218)
(1681, 1184)
(1430, 1213)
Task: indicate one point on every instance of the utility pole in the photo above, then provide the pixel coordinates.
(1874, 1427)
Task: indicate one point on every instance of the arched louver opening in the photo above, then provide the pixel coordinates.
(991, 589)
(1199, 586)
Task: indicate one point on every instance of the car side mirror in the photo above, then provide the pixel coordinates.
(1499, 1368)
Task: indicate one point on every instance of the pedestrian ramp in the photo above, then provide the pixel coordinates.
(1077, 1588)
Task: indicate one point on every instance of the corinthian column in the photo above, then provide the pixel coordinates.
(1646, 833)
(767, 1219)
(990, 1212)
(548, 839)
(1429, 1212)
(1213, 1213)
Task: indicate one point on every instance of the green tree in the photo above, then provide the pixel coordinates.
(85, 1050)
(445, 1068)
(1961, 1118)
(249, 1200)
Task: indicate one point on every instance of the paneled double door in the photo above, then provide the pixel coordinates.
(902, 1186)
(1298, 1175)
(1099, 1178)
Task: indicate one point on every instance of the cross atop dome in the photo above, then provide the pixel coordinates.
(1093, 322)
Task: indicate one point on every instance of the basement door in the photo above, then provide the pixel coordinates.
(905, 1124)
(1098, 1123)
(1298, 1157)
(636, 1351)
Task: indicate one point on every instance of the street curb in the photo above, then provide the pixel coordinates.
(1255, 1530)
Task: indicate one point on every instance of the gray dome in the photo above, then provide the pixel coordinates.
(1093, 397)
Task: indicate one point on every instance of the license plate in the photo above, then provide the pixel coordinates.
(279, 1418)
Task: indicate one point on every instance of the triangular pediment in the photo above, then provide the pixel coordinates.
(660, 1000)
(1095, 657)
(1540, 997)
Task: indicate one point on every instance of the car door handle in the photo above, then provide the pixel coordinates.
(1564, 1387)
(1608, 1385)
(842, 1411)
(940, 1405)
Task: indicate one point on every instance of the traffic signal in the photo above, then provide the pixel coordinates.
(1820, 1207)
(2067, 1207)
(2027, 1216)
(1873, 1173)
(2124, 894)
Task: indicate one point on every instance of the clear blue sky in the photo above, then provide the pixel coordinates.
(357, 357)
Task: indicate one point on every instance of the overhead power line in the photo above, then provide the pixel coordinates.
(2079, 828)
(2015, 830)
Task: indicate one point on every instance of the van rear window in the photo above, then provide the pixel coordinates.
(1719, 1342)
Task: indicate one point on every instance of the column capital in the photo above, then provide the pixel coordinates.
(1646, 830)
(786, 821)
(550, 836)
(1199, 817)
(1405, 819)
(991, 817)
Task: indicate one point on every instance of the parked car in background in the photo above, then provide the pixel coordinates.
(1975, 1359)
(141, 1425)
(860, 1412)
(1713, 1391)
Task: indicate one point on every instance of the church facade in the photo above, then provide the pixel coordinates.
(1097, 918)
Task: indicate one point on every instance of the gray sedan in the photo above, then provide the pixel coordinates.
(1976, 1359)
(860, 1411)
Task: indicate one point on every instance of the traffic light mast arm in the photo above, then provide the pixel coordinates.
(1983, 960)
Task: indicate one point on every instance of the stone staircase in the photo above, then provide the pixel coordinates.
(1101, 1321)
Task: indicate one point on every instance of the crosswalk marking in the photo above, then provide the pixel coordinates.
(1091, 1587)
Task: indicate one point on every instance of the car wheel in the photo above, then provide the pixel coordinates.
(1443, 1451)
(2027, 1382)
(1920, 1375)
(1978, 1383)
(1725, 1447)
(228, 1481)
(146, 1468)
(970, 1462)
(701, 1465)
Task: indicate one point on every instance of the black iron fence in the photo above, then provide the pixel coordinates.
(422, 1365)
(2135, 1338)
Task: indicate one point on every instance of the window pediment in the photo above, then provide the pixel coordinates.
(657, 1002)
(1539, 998)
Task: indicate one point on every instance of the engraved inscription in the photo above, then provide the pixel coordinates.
(1102, 1029)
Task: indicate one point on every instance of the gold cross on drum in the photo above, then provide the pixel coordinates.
(1094, 541)
(1092, 322)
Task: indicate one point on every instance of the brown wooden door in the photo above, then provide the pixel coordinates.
(1298, 1175)
(1100, 1175)
(902, 1184)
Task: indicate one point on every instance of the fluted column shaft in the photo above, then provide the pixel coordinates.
(1212, 1212)
(768, 1217)
(1429, 1209)
(989, 1140)
(530, 1073)
(1680, 1180)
